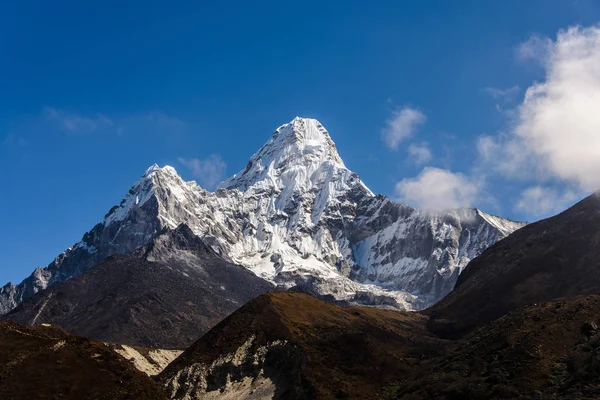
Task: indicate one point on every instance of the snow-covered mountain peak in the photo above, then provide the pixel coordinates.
(151, 170)
(161, 185)
(505, 226)
(297, 217)
(309, 136)
(155, 169)
(299, 157)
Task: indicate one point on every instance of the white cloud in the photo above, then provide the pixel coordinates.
(507, 156)
(77, 124)
(419, 153)
(402, 126)
(208, 172)
(556, 134)
(539, 201)
(438, 189)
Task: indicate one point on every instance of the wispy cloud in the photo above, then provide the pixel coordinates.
(420, 153)
(156, 120)
(146, 123)
(76, 124)
(539, 201)
(505, 95)
(556, 133)
(438, 189)
(401, 126)
(12, 140)
(208, 172)
(535, 48)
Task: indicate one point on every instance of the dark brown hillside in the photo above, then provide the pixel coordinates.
(522, 322)
(45, 362)
(544, 351)
(554, 258)
(307, 348)
(524, 318)
(165, 295)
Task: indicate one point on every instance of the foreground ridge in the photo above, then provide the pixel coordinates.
(289, 345)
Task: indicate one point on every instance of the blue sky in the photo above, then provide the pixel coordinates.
(415, 94)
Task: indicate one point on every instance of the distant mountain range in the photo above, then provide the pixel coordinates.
(297, 218)
(521, 322)
(506, 331)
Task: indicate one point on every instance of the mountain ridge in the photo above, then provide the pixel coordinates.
(163, 295)
(293, 346)
(302, 220)
(549, 259)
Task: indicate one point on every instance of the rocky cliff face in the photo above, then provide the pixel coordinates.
(297, 217)
(252, 371)
(398, 247)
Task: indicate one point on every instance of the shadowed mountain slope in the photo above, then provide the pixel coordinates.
(164, 295)
(546, 260)
(544, 351)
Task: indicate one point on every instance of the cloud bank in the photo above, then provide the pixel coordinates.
(557, 131)
(555, 137)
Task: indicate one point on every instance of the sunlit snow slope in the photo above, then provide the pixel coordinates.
(295, 216)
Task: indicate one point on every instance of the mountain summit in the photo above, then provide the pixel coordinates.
(299, 156)
(297, 217)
